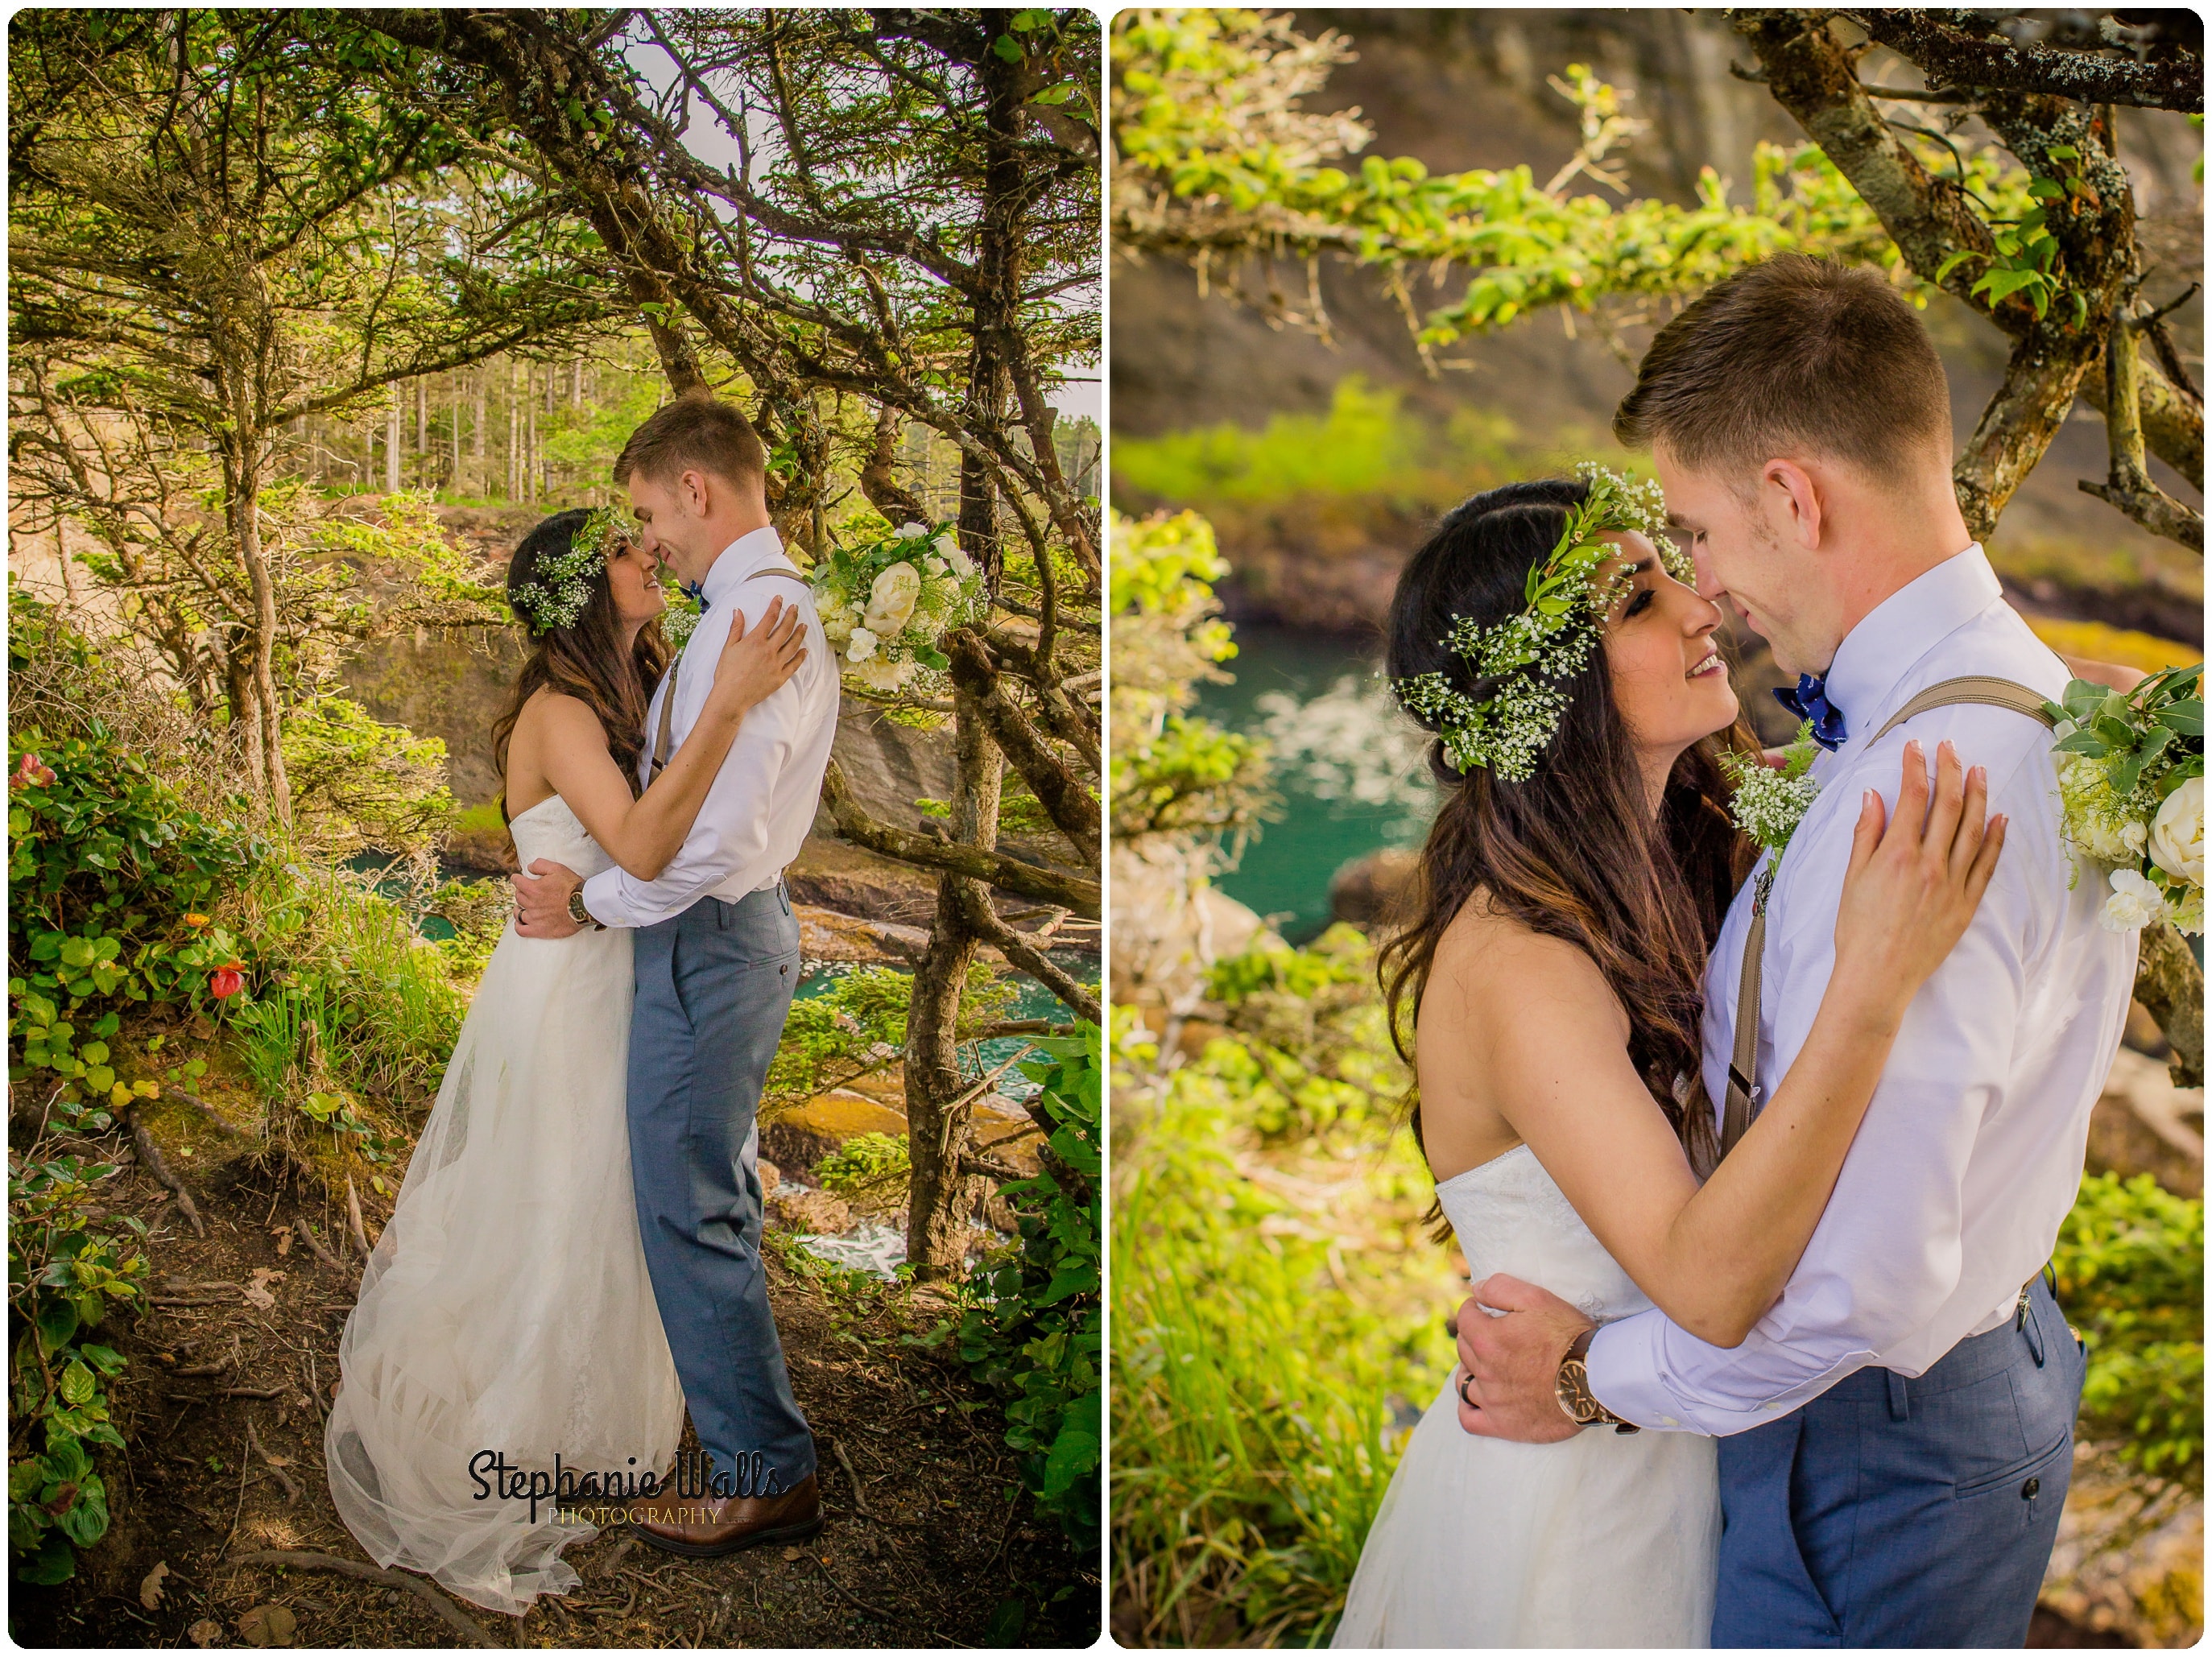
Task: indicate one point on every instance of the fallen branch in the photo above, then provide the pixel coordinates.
(253, 1442)
(151, 1159)
(448, 1612)
(353, 1219)
(315, 1245)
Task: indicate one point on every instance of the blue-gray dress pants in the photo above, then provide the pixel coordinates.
(1897, 1512)
(714, 985)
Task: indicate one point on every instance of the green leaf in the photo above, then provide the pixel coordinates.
(2045, 190)
(1956, 260)
(77, 1383)
(2083, 742)
(54, 1563)
(56, 1323)
(1007, 48)
(2184, 718)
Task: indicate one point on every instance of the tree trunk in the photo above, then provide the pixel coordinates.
(243, 463)
(391, 445)
(479, 378)
(939, 1200)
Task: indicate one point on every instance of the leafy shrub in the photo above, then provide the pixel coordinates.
(1032, 1327)
(1314, 1050)
(62, 1276)
(869, 1164)
(2131, 1270)
(110, 882)
(858, 1026)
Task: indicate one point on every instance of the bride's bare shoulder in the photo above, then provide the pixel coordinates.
(1488, 958)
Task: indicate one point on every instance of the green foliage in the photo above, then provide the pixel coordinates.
(868, 1165)
(1368, 447)
(1314, 1052)
(1033, 1324)
(1174, 776)
(64, 1275)
(2131, 1270)
(357, 781)
(1269, 1306)
(833, 1038)
(110, 881)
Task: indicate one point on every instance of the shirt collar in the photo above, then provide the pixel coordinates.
(746, 556)
(1876, 654)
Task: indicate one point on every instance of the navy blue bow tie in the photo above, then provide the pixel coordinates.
(695, 593)
(1809, 701)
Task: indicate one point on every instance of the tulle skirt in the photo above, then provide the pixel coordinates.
(1600, 1541)
(506, 1306)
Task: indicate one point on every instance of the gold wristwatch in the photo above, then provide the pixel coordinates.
(1575, 1396)
(579, 914)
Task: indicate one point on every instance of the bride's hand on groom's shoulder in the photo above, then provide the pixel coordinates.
(541, 900)
(757, 661)
(1509, 1365)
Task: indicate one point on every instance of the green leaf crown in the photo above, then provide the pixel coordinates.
(560, 588)
(1531, 653)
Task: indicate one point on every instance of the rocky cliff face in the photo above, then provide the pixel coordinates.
(1468, 88)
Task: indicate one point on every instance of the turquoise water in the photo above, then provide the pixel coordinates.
(1284, 873)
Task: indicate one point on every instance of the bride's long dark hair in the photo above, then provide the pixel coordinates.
(585, 660)
(1573, 851)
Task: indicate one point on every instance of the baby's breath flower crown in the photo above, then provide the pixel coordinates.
(1568, 597)
(560, 588)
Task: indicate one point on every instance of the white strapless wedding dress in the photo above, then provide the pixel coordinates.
(507, 1306)
(1600, 1540)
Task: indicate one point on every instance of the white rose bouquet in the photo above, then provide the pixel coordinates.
(886, 602)
(2131, 794)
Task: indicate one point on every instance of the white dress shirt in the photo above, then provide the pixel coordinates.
(1970, 1156)
(761, 802)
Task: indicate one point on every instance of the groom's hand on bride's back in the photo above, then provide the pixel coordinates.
(541, 900)
(1509, 1365)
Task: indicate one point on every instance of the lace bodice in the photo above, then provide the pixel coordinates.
(1510, 1218)
(549, 829)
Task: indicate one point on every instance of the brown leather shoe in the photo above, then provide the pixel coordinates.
(703, 1527)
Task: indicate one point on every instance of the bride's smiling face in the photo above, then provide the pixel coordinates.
(1669, 681)
(634, 578)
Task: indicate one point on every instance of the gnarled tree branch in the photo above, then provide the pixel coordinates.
(996, 868)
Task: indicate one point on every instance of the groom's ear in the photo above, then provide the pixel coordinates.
(1797, 504)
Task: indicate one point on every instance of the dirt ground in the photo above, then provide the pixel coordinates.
(219, 1387)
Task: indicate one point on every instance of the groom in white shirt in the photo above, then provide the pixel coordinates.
(716, 959)
(1896, 1434)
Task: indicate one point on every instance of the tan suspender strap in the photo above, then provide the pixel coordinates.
(1974, 688)
(667, 718)
(660, 750)
(1743, 1102)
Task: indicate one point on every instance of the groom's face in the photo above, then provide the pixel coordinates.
(667, 528)
(1739, 556)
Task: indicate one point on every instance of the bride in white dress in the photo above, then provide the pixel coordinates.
(1555, 963)
(506, 1306)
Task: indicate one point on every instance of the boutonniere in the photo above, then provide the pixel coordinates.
(1770, 801)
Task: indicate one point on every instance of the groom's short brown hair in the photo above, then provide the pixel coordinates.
(1794, 353)
(698, 431)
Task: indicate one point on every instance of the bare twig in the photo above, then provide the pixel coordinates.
(315, 1245)
(253, 1442)
(301, 1559)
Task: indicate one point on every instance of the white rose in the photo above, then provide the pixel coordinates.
(884, 677)
(946, 545)
(2134, 902)
(891, 601)
(962, 565)
(2105, 842)
(2132, 836)
(935, 566)
(913, 532)
(2177, 835)
(860, 646)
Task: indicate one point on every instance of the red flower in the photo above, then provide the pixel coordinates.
(227, 979)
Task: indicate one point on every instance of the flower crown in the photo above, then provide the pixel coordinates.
(560, 586)
(1550, 641)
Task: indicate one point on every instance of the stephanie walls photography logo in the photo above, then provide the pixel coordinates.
(496, 1479)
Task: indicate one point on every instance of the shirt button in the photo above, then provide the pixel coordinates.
(2028, 1490)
